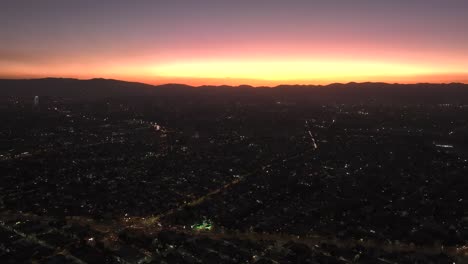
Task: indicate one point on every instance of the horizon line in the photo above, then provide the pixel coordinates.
(240, 85)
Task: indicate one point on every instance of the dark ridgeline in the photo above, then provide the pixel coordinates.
(368, 92)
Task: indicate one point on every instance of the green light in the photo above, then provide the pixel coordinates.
(204, 226)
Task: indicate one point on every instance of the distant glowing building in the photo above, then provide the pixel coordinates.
(36, 101)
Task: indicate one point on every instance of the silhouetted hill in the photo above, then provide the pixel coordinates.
(72, 87)
(333, 93)
(380, 92)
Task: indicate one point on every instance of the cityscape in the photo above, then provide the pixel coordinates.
(237, 132)
(248, 179)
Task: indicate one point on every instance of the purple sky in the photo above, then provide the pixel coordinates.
(151, 40)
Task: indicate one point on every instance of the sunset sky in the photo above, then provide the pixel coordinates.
(236, 41)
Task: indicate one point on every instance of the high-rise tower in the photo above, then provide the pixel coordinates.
(36, 101)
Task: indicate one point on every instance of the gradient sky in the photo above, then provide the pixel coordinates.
(236, 41)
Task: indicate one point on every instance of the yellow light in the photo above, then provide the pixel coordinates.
(286, 70)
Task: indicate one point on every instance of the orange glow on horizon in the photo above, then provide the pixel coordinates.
(257, 62)
(251, 72)
(237, 42)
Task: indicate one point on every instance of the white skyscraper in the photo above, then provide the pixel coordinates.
(36, 101)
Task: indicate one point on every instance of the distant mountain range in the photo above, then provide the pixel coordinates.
(350, 92)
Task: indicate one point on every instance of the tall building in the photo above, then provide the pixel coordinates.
(36, 101)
